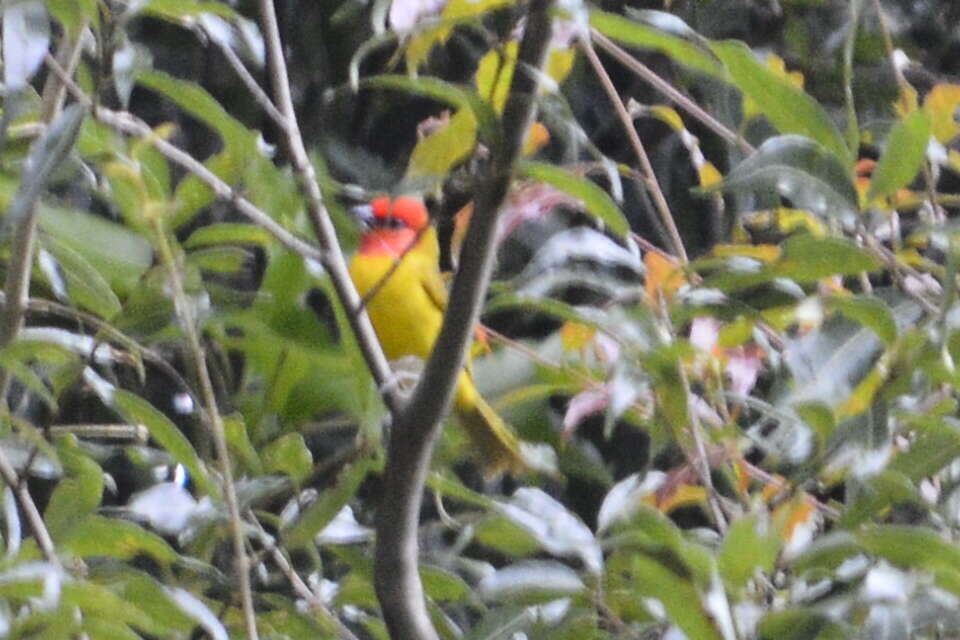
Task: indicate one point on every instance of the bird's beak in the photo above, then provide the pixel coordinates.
(364, 214)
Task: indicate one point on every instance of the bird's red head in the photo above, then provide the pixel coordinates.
(393, 224)
(401, 212)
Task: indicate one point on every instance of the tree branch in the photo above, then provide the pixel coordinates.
(416, 427)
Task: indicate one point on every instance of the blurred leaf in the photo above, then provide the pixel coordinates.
(682, 601)
(444, 586)
(85, 286)
(634, 34)
(935, 444)
(531, 581)
(903, 155)
(72, 13)
(239, 440)
(875, 494)
(597, 202)
(97, 601)
(788, 108)
(224, 260)
(196, 101)
(99, 536)
(151, 597)
(228, 233)
(138, 411)
(803, 171)
(116, 252)
(439, 152)
(26, 36)
(871, 312)
(910, 547)
(319, 514)
(13, 360)
(288, 454)
(752, 543)
(458, 97)
(46, 154)
(75, 496)
(177, 10)
(797, 624)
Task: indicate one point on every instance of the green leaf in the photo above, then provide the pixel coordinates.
(808, 258)
(96, 600)
(438, 153)
(71, 14)
(120, 539)
(935, 444)
(178, 10)
(634, 34)
(86, 287)
(46, 154)
(197, 102)
(680, 598)
(788, 108)
(797, 624)
(319, 514)
(138, 411)
(288, 454)
(752, 543)
(448, 93)
(13, 360)
(871, 312)
(903, 155)
(443, 585)
(598, 203)
(239, 441)
(910, 547)
(228, 233)
(76, 496)
(800, 169)
(875, 494)
(149, 595)
(225, 260)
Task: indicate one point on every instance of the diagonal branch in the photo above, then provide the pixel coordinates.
(334, 262)
(415, 430)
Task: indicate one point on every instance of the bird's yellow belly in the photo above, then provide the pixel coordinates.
(406, 318)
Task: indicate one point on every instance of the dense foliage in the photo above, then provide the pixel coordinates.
(724, 318)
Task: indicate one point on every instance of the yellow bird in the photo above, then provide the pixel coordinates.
(396, 270)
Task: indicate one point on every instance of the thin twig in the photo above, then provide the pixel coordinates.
(664, 87)
(131, 125)
(299, 586)
(323, 226)
(54, 89)
(259, 95)
(648, 174)
(40, 532)
(215, 423)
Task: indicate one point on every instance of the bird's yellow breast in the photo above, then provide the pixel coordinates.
(404, 313)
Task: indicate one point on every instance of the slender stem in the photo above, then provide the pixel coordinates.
(648, 174)
(664, 87)
(323, 227)
(395, 562)
(299, 586)
(131, 125)
(188, 323)
(54, 90)
(259, 95)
